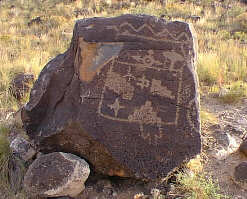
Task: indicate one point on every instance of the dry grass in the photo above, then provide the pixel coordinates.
(198, 186)
(28, 46)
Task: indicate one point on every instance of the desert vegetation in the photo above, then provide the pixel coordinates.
(32, 32)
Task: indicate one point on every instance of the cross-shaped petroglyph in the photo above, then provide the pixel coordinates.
(143, 82)
(116, 107)
(129, 76)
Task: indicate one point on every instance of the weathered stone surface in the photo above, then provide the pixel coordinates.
(240, 174)
(56, 174)
(123, 96)
(22, 148)
(20, 85)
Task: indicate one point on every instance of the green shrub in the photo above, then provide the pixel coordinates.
(198, 186)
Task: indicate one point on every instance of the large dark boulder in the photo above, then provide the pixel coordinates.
(123, 96)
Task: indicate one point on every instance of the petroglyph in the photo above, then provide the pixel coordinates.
(147, 60)
(128, 82)
(158, 89)
(116, 107)
(131, 80)
(145, 114)
(143, 82)
(174, 57)
(119, 85)
(127, 29)
(129, 76)
(151, 137)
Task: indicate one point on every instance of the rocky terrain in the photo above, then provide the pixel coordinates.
(222, 136)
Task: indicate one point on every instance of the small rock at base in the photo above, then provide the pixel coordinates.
(240, 173)
(243, 147)
(56, 174)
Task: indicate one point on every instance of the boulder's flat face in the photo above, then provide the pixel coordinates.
(56, 174)
(124, 96)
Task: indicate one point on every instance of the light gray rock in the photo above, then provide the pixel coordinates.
(22, 148)
(56, 174)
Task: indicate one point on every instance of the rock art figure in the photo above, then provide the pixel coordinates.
(123, 96)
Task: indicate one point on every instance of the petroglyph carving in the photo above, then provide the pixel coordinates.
(174, 57)
(127, 29)
(143, 82)
(119, 85)
(129, 76)
(130, 81)
(116, 107)
(151, 137)
(147, 60)
(158, 89)
(145, 114)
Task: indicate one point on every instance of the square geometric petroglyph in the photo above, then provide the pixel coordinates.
(143, 87)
